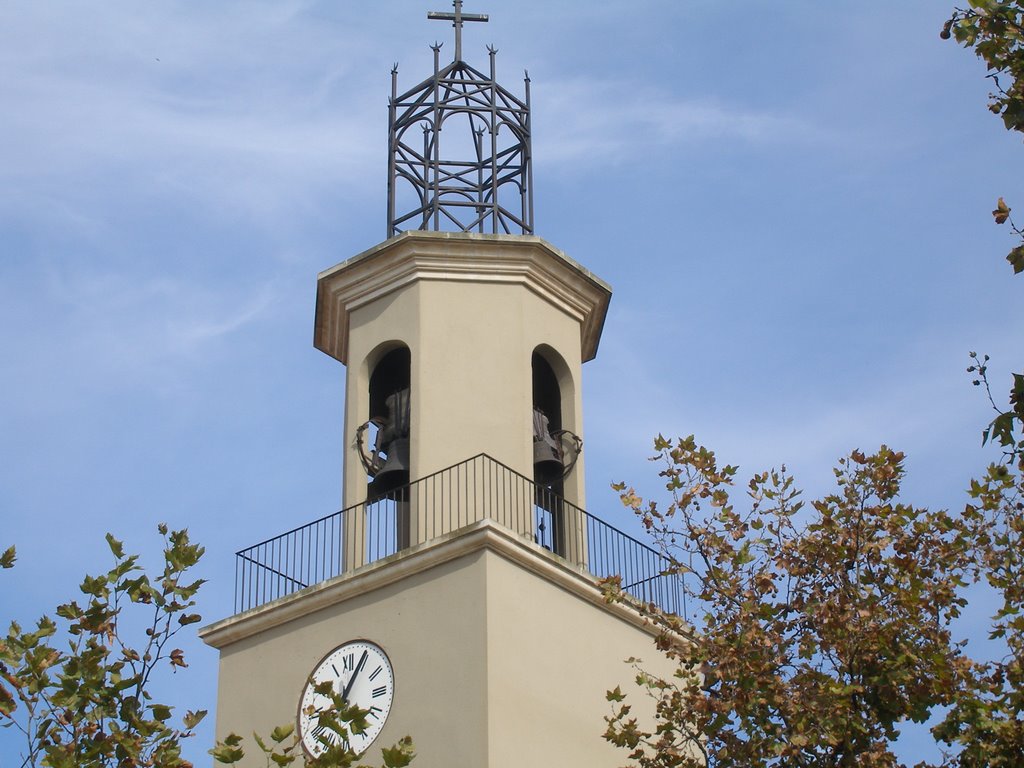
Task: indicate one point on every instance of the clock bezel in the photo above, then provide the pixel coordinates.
(300, 717)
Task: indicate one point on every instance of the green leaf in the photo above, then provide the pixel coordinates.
(228, 751)
(8, 557)
(1016, 259)
(95, 586)
(116, 546)
(70, 611)
(399, 755)
(282, 732)
(1002, 429)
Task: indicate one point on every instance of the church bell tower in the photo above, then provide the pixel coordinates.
(455, 596)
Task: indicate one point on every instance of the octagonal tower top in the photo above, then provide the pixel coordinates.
(459, 156)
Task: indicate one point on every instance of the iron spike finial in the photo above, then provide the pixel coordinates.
(489, 188)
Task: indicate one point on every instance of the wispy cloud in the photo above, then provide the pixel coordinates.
(615, 120)
(119, 332)
(109, 99)
(188, 333)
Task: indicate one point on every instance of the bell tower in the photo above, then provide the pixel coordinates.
(463, 568)
(459, 344)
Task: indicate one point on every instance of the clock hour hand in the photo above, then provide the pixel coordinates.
(355, 674)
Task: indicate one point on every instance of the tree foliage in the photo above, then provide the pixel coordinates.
(986, 722)
(75, 686)
(995, 30)
(823, 627)
(335, 725)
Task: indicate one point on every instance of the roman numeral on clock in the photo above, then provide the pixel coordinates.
(348, 662)
(377, 671)
(324, 733)
(378, 692)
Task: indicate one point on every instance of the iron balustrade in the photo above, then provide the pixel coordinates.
(442, 503)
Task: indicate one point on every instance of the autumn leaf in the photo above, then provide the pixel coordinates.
(1001, 213)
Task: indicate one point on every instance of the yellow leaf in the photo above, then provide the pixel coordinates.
(1001, 213)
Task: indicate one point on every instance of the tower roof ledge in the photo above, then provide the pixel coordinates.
(462, 544)
(458, 256)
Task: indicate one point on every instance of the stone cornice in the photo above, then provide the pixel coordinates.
(467, 257)
(484, 535)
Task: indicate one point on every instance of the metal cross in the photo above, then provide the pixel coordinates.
(457, 18)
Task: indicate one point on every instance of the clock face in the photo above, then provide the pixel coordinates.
(361, 673)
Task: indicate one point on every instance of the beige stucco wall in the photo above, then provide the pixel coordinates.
(552, 657)
(501, 653)
(431, 626)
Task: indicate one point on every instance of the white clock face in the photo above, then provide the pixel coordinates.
(361, 673)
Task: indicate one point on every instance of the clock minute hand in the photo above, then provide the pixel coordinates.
(355, 674)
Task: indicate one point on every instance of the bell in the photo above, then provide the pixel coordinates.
(392, 448)
(547, 467)
(547, 463)
(395, 472)
(397, 422)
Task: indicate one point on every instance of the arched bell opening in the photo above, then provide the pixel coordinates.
(383, 440)
(547, 421)
(555, 449)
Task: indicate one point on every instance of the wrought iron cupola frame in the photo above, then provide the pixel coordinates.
(430, 188)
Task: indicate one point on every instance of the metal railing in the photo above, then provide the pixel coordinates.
(442, 503)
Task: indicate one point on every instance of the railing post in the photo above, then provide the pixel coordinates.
(422, 499)
(354, 538)
(403, 520)
(574, 534)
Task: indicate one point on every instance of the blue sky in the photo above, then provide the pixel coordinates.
(791, 201)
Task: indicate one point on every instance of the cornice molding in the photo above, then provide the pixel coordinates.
(464, 257)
